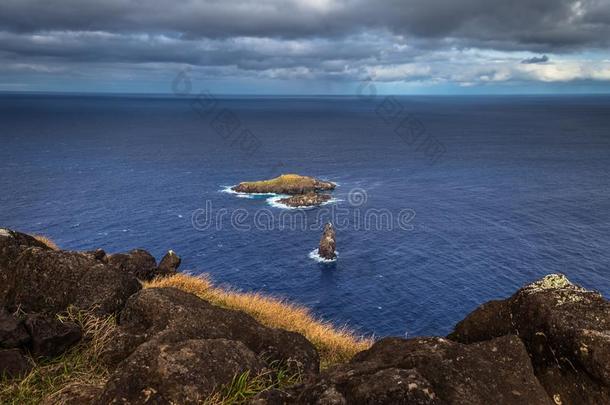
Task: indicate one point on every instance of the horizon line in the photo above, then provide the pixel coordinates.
(295, 95)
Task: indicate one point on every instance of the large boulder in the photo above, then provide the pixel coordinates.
(35, 278)
(171, 315)
(137, 263)
(424, 371)
(184, 372)
(178, 347)
(566, 330)
(143, 266)
(492, 319)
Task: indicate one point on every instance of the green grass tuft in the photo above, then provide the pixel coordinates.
(244, 386)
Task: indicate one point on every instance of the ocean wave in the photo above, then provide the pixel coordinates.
(229, 190)
(315, 256)
(275, 202)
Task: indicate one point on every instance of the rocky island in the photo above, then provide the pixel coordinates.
(304, 191)
(305, 200)
(84, 328)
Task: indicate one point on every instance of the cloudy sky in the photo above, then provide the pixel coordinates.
(306, 46)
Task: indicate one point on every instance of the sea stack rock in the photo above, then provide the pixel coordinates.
(328, 243)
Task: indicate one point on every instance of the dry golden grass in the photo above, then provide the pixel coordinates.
(283, 180)
(335, 345)
(46, 241)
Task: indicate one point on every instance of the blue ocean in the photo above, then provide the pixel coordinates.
(444, 203)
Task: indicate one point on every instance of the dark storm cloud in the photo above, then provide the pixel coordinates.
(436, 41)
(245, 53)
(535, 59)
(519, 24)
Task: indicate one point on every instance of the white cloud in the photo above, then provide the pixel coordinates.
(392, 73)
(569, 70)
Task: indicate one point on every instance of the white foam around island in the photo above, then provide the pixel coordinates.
(316, 256)
(275, 202)
(229, 190)
(274, 199)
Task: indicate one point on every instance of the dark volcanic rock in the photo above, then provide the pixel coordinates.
(185, 372)
(35, 278)
(305, 200)
(50, 336)
(142, 265)
(13, 363)
(11, 245)
(51, 281)
(285, 184)
(171, 315)
(138, 263)
(425, 371)
(548, 343)
(181, 347)
(169, 264)
(99, 254)
(496, 371)
(121, 346)
(327, 243)
(12, 331)
(566, 330)
(391, 386)
(490, 320)
(13, 238)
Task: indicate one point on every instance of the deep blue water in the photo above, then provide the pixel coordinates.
(522, 189)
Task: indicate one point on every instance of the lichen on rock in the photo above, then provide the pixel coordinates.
(551, 282)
